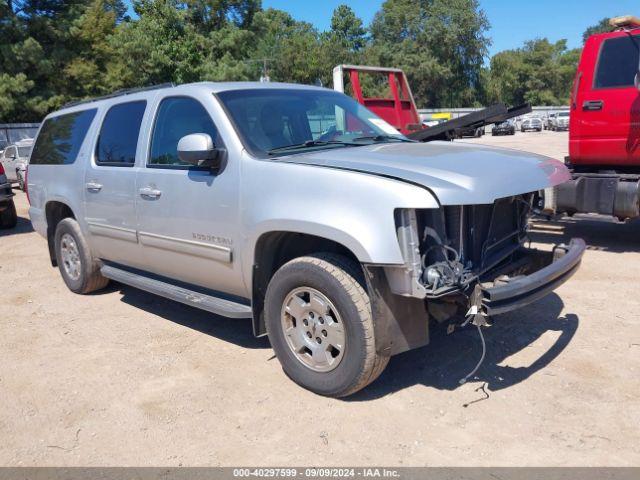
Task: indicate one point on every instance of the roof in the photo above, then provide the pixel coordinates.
(215, 87)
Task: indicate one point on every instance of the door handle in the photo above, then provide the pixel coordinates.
(93, 186)
(592, 105)
(149, 192)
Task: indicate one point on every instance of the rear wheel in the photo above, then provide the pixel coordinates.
(8, 216)
(319, 321)
(20, 180)
(80, 272)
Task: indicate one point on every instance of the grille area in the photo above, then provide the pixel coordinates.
(483, 235)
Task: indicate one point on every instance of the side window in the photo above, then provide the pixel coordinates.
(118, 138)
(60, 138)
(10, 152)
(177, 117)
(618, 62)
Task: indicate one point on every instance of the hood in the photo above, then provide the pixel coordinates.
(457, 173)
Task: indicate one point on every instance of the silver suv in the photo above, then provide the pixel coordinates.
(296, 207)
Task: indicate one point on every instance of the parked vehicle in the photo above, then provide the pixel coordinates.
(297, 207)
(8, 214)
(507, 127)
(549, 122)
(399, 109)
(604, 134)
(15, 159)
(560, 122)
(476, 132)
(531, 124)
(11, 133)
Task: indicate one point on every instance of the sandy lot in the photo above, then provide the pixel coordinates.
(122, 377)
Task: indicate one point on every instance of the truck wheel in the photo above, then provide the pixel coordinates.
(79, 270)
(9, 216)
(319, 321)
(20, 181)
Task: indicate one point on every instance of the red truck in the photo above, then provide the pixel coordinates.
(604, 127)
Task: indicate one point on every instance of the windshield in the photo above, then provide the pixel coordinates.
(24, 151)
(563, 114)
(268, 119)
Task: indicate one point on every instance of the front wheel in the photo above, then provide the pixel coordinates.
(319, 321)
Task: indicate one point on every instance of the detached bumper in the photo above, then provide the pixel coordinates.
(517, 292)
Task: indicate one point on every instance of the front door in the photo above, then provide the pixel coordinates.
(110, 185)
(188, 216)
(607, 127)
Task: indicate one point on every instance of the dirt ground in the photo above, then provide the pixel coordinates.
(123, 377)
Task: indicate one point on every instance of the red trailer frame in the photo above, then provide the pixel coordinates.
(399, 110)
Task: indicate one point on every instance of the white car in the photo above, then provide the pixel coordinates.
(560, 122)
(532, 123)
(14, 159)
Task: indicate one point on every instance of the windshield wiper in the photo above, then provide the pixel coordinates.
(383, 138)
(307, 144)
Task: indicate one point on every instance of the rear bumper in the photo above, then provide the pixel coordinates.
(520, 291)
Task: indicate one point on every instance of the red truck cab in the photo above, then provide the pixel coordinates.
(604, 127)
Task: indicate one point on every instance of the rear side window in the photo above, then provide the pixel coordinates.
(618, 62)
(177, 117)
(60, 138)
(118, 138)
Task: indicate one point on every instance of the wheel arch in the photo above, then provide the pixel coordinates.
(275, 248)
(55, 212)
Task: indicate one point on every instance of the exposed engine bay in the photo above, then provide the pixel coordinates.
(454, 250)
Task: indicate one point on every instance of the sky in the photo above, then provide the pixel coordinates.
(512, 21)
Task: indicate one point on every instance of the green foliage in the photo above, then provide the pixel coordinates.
(601, 27)
(54, 51)
(440, 44)
(540, 73)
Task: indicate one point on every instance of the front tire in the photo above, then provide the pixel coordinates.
(79, 270)
(319, 321)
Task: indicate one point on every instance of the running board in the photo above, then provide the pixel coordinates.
(216, 305)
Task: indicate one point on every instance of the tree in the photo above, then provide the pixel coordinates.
(347, 28)
(440, 44)
(601, 27)
(540, 72)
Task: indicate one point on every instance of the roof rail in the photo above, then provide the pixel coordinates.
(119, 93)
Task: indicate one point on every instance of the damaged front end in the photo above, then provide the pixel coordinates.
(472, 259)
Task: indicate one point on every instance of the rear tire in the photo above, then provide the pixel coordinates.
(20, 181)
(9, 216)
(79, 270)
(348, 361)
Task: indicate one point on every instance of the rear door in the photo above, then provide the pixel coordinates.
(109, 188)
(605, 118)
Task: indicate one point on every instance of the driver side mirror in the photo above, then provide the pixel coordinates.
(199, 150)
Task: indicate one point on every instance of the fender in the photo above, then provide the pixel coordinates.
(353, 209)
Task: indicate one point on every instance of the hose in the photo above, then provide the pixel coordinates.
(462, 381)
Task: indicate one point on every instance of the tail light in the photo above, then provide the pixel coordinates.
(26, 183)
(1, 169)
